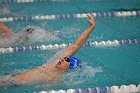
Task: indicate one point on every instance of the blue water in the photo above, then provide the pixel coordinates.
(104, 66)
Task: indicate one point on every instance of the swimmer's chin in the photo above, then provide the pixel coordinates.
(61, 68)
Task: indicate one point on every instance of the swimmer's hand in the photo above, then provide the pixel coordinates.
(91, 20)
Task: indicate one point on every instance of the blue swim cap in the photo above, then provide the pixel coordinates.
(74, 63)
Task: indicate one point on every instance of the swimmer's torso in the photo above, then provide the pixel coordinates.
(38, 75)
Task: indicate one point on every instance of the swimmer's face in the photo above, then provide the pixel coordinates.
(29, 31)
(63, 64)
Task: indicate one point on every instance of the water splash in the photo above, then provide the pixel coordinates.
(6, 81)
(78, 76)
(5, 10)
(38, 35)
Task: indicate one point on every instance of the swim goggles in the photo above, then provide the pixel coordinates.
(67, 59)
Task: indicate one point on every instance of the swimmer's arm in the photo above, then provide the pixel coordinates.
(69, 51)
(4, 29)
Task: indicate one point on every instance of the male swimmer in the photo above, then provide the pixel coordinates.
(8, 37)
(53, 71)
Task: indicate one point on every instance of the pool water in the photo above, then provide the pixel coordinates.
(102, 66)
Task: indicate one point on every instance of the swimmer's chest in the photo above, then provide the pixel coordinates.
(48, 73)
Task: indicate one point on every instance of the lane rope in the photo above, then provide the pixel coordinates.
(113, 89)
(67, 16)
(29, 1)
(56, 46)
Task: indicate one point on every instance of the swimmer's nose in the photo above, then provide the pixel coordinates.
(59, 62)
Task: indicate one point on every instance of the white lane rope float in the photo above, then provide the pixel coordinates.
(113, 89)
(28, 1)
(67, 16)
(56, 46)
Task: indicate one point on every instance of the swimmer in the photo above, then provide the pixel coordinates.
(8, 37)
(8, 32)
(53, 71)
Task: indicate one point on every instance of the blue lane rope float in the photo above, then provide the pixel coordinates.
(67, 16)
(56, 46)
